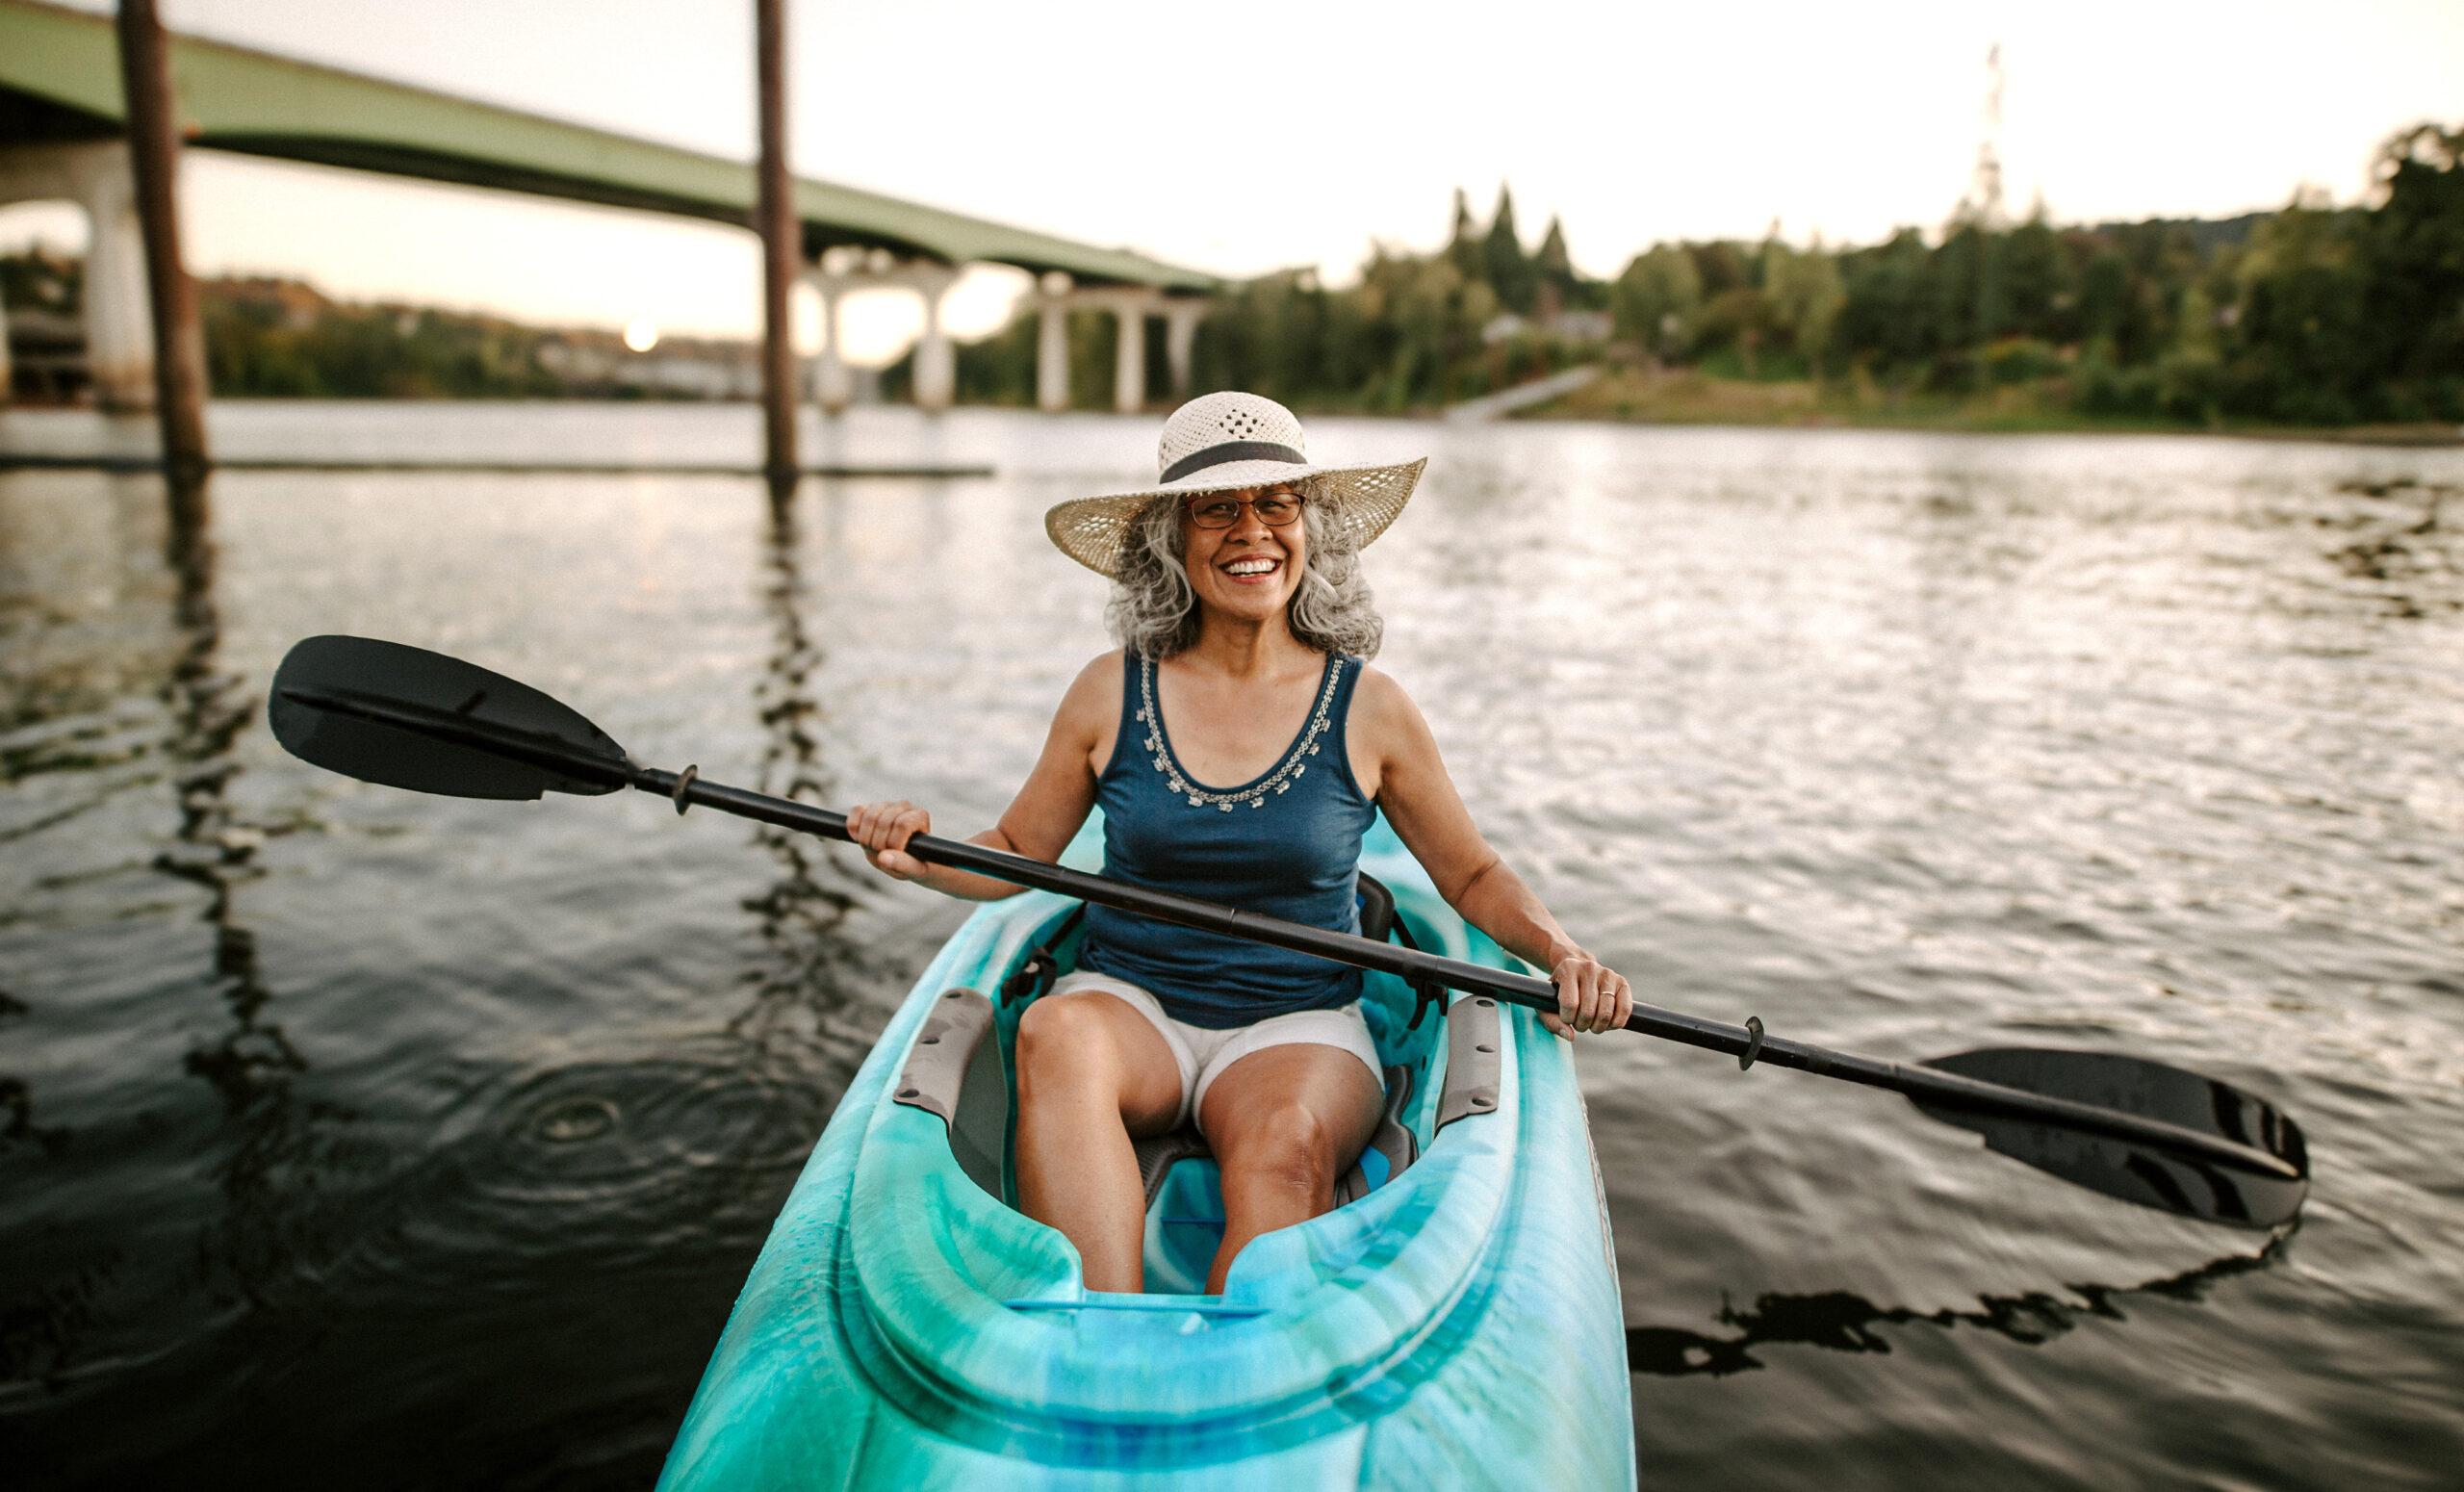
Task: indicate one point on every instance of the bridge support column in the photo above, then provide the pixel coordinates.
(1180, 336)
(119, 325)
(1052, 345)
(1129, 350)
(1129, 360)
(936, 374)
(833, 382)
(119, 320)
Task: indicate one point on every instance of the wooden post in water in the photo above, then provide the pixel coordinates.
(782, 247)
(154, 160)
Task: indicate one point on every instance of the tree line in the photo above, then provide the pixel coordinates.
(2313, 315)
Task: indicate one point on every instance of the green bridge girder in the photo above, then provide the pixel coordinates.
(59, 80)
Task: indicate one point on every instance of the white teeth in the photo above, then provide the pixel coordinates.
(1249, 566)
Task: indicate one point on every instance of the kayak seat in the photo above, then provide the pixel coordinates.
(1391, 1149)
(1391, 1143)
(1158, 1155)
(951, 1071)
(1376, 908)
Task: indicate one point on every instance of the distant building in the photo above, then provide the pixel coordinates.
(587, 362)
(46, 361)
(1578, 327)
(297, 304)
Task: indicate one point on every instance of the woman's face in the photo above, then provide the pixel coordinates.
(1251, 569)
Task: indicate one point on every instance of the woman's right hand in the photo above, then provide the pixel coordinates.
(881, 830)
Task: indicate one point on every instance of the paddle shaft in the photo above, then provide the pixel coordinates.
(1747, 1043)
(1740, 1042)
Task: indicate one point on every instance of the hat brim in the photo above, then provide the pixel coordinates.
(1361, 501)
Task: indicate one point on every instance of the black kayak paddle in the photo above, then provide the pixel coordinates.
(2144, 1132)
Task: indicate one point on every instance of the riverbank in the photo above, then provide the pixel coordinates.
(1690, 396)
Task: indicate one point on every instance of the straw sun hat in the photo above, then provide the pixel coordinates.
(1223, 443)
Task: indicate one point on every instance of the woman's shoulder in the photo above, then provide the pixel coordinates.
(1375, 682)
(1379, 700)
(1105, 665)
(1096, 693)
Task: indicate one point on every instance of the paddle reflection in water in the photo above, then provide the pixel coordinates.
(1841, 1321)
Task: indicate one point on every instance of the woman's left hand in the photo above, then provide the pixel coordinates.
(1591, 996)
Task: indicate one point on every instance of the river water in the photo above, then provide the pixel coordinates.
(349, 1137)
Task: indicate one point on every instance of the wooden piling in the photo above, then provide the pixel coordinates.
(782, 247)
(154, 160)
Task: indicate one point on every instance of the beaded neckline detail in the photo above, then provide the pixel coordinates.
(1295, 762)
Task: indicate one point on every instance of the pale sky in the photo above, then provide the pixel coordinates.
(1238, 138)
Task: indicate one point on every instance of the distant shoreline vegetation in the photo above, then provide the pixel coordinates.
(2313, 317)
(270, 337)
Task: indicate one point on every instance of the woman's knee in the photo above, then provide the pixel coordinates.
(1288, 1146)
(1065, 1038)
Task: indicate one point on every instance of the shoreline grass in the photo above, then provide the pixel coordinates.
(1688, 397)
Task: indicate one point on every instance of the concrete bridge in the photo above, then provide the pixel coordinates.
(62, 138)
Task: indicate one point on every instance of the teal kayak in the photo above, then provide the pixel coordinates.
(1455, 1321)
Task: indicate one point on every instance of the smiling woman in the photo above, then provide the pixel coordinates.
(1245, 629)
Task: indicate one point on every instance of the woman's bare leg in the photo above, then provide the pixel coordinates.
(1093, 1072)
(1284, 1123)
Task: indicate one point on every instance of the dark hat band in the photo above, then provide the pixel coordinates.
(1232, 450)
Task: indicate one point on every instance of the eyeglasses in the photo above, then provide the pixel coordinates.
(1274, 509)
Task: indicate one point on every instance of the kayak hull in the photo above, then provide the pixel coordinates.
(1458, 1325)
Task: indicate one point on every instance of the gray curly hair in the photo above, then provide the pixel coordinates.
(1153, 611)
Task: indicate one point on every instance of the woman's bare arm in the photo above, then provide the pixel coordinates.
(1047, 813)
(1422, 804)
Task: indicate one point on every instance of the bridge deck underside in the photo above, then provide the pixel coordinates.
(58, 80)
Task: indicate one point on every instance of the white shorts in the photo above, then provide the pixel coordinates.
(1203, 1052)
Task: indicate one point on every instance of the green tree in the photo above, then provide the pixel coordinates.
(2104, 299)
(2307, 351)
(1805, 294)
(2413, 256)
(1554, 269)
(2034, 289)
(1742, 322)
(1502, 263)
(1960, 289)
(1655, 299)
(1720, 266)
(1463, 248)
(1885, 319)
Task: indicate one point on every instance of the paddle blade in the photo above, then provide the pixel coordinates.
(405, 717)
(2147, 1174)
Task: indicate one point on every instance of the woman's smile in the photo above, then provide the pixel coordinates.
(1252, 568)
(1257, 575)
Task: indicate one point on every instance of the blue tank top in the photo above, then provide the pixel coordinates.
(1285, 843)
